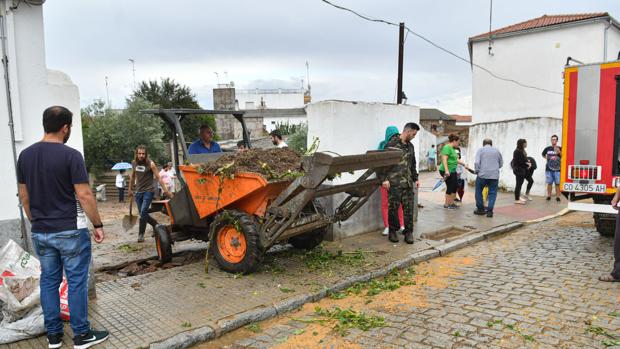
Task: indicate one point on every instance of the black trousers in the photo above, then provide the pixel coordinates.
(616, 272)
(520, 180)
(530, 183)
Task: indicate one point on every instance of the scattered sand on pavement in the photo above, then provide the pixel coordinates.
(436, 273)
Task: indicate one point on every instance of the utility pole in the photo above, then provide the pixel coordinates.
(401, 49)
(107, 92)
(133, 68)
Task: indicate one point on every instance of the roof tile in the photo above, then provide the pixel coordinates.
(543, 21)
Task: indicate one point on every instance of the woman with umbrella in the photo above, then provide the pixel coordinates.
(120, 179)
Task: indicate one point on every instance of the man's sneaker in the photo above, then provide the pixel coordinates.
(87, 340)
(557, 199)
(490, 214)
(479, 212)
(385, 231)
(54, 340)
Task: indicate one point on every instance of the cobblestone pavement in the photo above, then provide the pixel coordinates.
(535, 287)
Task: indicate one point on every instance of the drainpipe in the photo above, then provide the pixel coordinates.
(605, 35)
(7, 86)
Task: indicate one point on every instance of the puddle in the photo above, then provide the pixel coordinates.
(447, 235)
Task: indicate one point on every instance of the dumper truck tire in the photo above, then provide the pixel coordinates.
(236, 244)
(312, 239)
(163, 243)
(605, 223)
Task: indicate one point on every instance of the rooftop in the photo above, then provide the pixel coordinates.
(433, 114)
(461, 118)
(544, 21)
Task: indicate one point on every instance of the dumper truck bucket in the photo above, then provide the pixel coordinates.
(246, 191)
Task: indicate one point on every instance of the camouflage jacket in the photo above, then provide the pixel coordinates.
(403, 175)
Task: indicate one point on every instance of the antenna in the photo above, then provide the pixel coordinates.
(218, 78)
(133, 68)
(490, 23)
(107, 91)
(308, 74)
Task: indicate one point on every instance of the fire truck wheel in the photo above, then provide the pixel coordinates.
(605, 224)
(163, 242)
(236, 243)
(314, 238)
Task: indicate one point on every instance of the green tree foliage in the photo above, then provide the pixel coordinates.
(298, 141)
(112, 137)
(168, 94)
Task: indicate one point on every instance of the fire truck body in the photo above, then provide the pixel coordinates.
(590, 133)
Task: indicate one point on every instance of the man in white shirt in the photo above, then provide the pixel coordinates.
(276, 139)
(120, 185)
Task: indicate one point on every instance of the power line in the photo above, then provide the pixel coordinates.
(378, 20)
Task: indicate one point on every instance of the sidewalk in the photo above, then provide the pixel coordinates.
(147, 309)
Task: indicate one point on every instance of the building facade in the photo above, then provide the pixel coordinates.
(526, 100)
(33, 88)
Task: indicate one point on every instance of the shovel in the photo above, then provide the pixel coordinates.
(129, 220)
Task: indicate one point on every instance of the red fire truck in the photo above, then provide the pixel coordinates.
(591, 140)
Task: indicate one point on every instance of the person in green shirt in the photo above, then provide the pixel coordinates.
(450, 160)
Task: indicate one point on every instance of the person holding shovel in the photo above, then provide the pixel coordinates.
(142, 174)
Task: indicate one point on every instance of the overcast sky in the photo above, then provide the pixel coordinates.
(265, 44)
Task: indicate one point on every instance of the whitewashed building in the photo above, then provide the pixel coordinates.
(278, 98)
(524, 98)
(32, 89)
(337, 126)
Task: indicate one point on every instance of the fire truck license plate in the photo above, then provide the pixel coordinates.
(585, 188)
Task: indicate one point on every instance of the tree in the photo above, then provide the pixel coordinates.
(169, 94)
(113, 137)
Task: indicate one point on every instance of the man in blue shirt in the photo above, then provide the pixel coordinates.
(205, 144)
(54, 191)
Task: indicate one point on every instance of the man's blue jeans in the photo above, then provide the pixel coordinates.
(69, 251)
(143, 202)
(480, 184)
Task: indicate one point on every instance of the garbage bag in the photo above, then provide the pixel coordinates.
(29, 326)
(19, 280)
(22, 316)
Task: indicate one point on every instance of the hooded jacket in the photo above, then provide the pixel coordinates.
(389, 132)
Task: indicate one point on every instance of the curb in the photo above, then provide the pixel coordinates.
(564, 211)
(188, 338)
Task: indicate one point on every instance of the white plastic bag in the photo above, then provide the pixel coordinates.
(19, 279)
(29, 326)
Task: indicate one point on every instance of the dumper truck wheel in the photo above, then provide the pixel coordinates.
(314, 238)
(163, 242)
(605, 223)
(236, 244)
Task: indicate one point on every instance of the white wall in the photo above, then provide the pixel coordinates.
(536, 59)
(537, 132)
(271, 122)
(425, 140)
(353, 128)
(33, 88)
(272, 100)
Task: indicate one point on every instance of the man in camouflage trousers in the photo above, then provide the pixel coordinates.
(400, 182)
